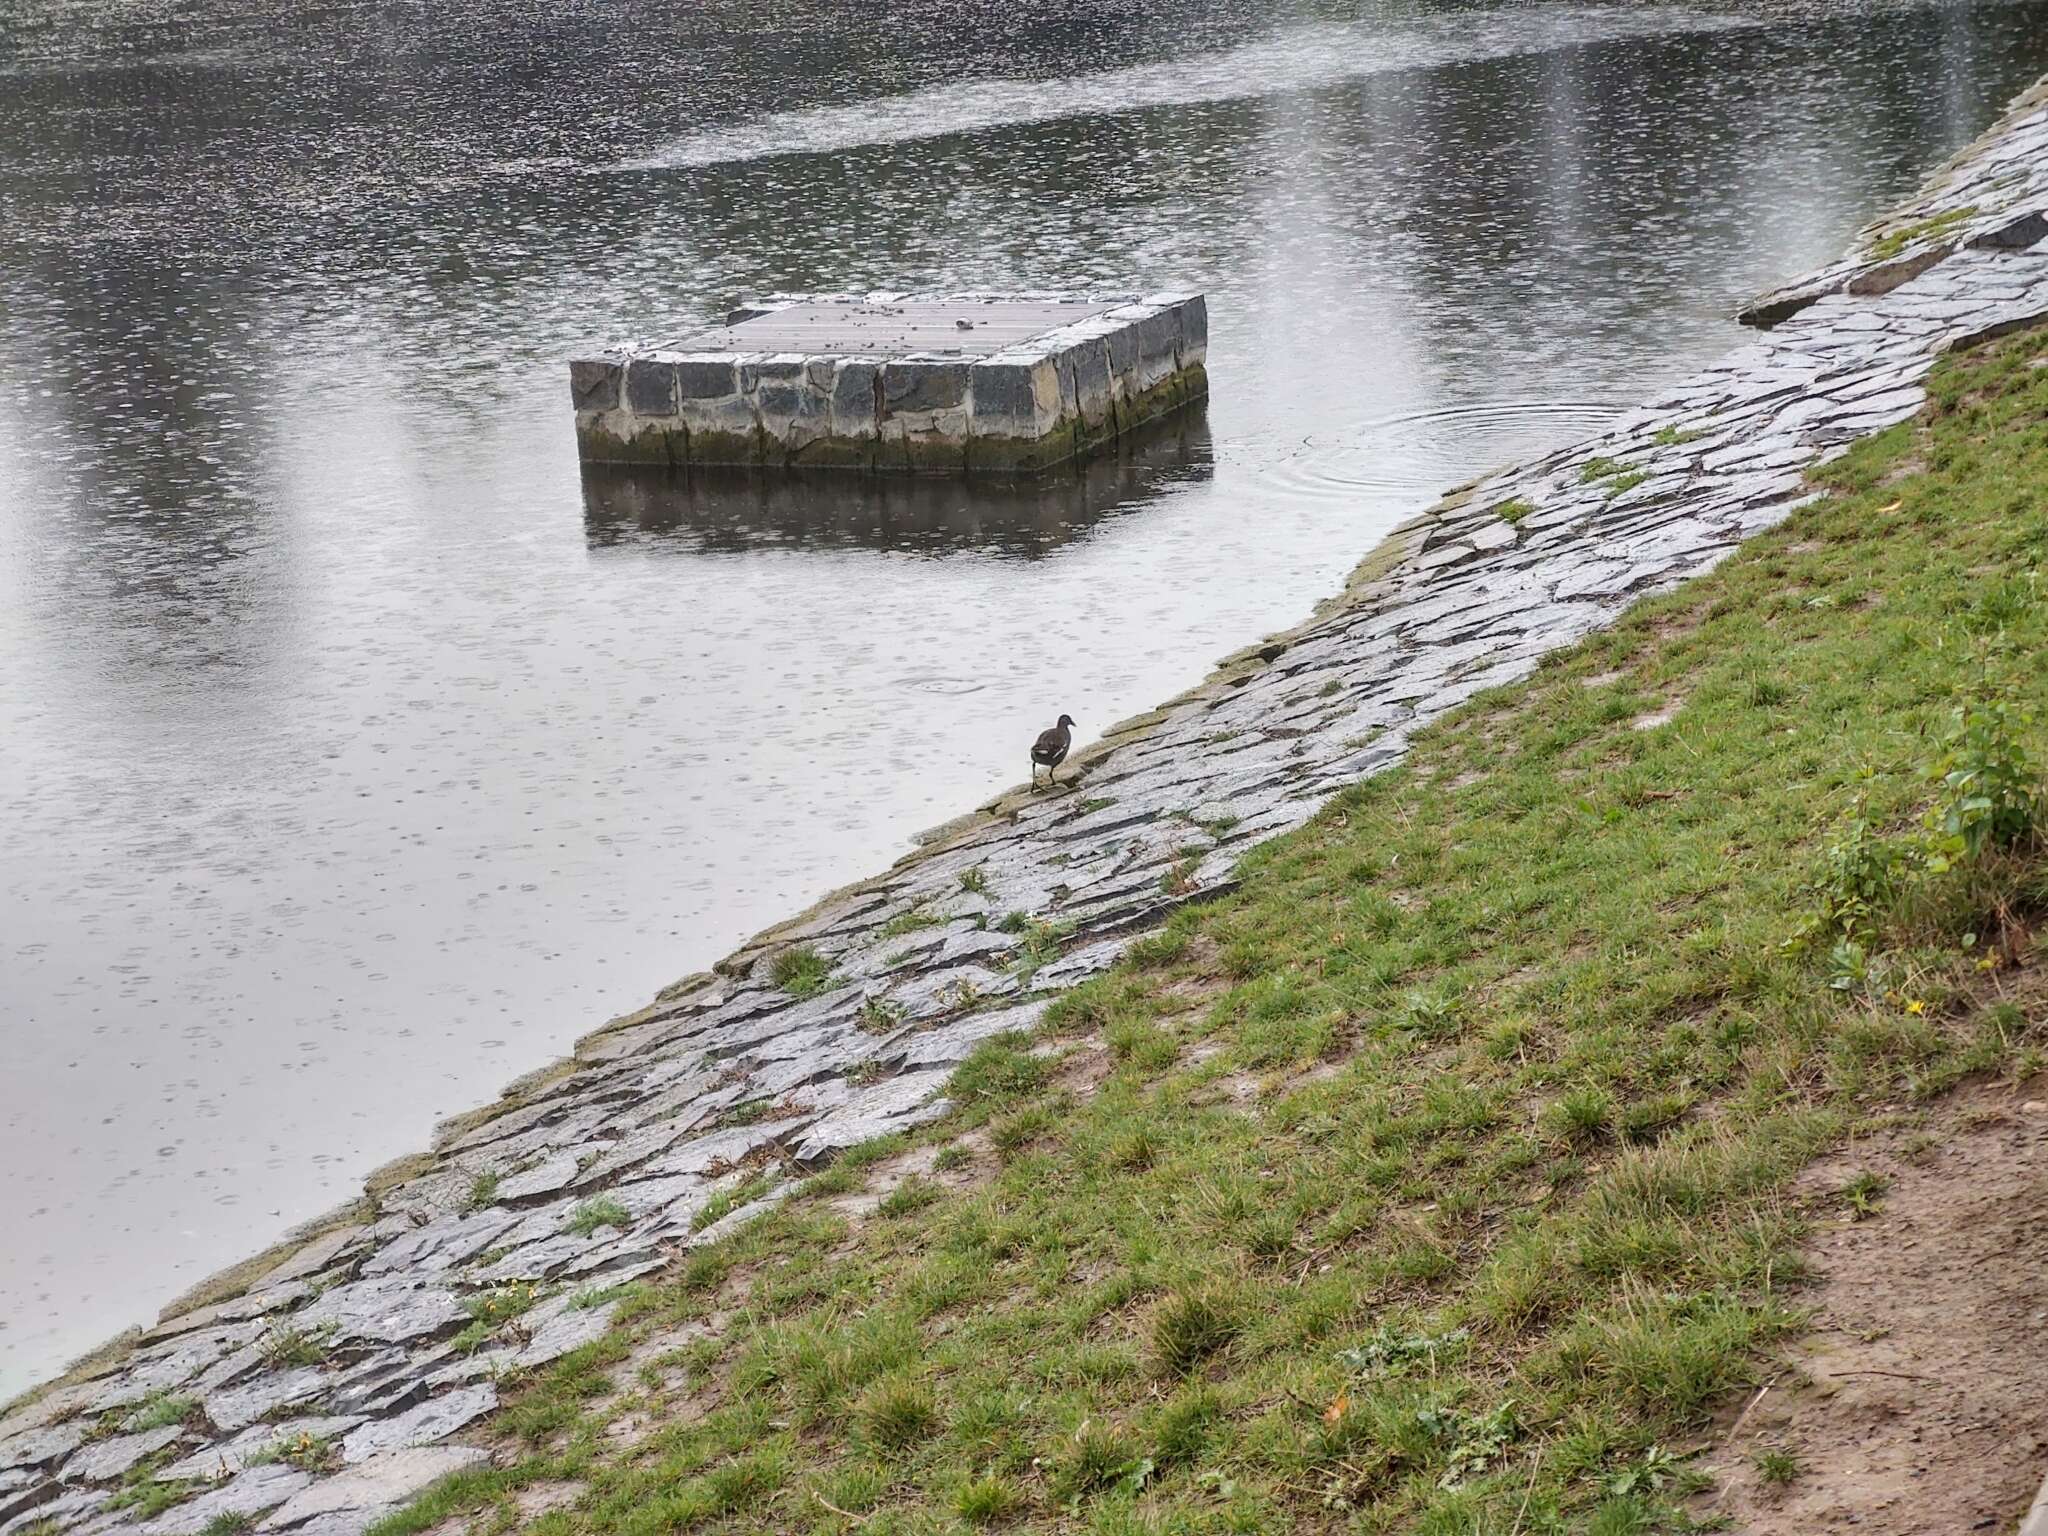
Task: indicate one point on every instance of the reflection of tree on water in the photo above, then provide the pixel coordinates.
(734, 510)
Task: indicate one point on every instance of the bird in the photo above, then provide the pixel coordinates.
(1050, 750)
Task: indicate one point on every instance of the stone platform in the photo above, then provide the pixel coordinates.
(895, 382)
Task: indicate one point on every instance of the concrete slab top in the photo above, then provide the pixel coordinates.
(953, 328)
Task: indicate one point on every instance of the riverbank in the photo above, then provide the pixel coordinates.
(502, 1254)
(1446, 1177)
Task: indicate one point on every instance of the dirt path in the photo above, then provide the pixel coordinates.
(1919, 1404)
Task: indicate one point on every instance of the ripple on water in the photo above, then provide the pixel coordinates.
(941, 685)
(1417, 455)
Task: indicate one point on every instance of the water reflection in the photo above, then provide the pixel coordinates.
(731, 511)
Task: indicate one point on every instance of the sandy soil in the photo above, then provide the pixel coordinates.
(1918, 1405)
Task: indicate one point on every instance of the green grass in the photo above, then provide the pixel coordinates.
(143, 1495)
(307, 1452)
(802, 971)
(289, 1345)
(910, 922)
(1777, 1467)
(1512, 512)
(483, 1189)
(1613, 475)
(726, 1201)
(603, 1211)
(1439, 1177)
(162, 1411)
(1890, 245)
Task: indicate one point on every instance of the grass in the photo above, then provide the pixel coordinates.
(1890, 245)
(909, 922)
(1438, 1178)
(801, 971)
(289, 1345)
(602, 1211)
(1777, 1467)
(483, 1190)
(726, 1201)
(307, 1452)
(162, 1411)
(143, 1495)
(1614, 475)
(1512, 512)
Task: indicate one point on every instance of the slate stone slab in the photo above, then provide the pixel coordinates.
(423, 1424)
(65, 1511)
(891, 1106)
(242, 1407)
(248, 1493)
(362, 1494)
(105, 1460)
(42, 1447)
(212, 1462)
(388, 1309)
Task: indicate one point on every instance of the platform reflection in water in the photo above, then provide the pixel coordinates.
(729, 511)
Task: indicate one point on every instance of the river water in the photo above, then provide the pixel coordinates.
(356, 754)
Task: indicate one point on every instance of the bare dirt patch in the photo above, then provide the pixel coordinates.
(1919, 1402)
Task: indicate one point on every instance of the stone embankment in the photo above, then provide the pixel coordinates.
(387, 1334)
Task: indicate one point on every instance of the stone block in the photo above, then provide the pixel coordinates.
(651, 386)
(856, 398)
(594, 383)
(917, 385)
(706, 378)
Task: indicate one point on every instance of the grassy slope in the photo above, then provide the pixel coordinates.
(1437, 1176)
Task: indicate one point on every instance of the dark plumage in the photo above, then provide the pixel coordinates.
(1050, 750)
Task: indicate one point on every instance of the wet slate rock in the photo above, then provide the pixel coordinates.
(64, 1511)
(248, 1493)
(351, 1501)
(41, 1447)
(388, 1310)
(105, 1460)
(213, 1462)
(423, 1424)
(241, 1407)
(888, 1107)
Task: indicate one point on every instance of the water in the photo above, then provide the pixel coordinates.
(356, 753)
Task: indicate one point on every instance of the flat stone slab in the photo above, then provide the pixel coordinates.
(891, 382)
(858, 327)
(357, 1498)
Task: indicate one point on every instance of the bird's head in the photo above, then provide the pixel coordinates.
(1065, 721)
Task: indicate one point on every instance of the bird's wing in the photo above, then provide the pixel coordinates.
(1048, 743)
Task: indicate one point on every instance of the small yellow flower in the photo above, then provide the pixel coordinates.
(1916, 1006)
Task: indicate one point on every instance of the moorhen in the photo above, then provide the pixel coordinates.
(1050, 750)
